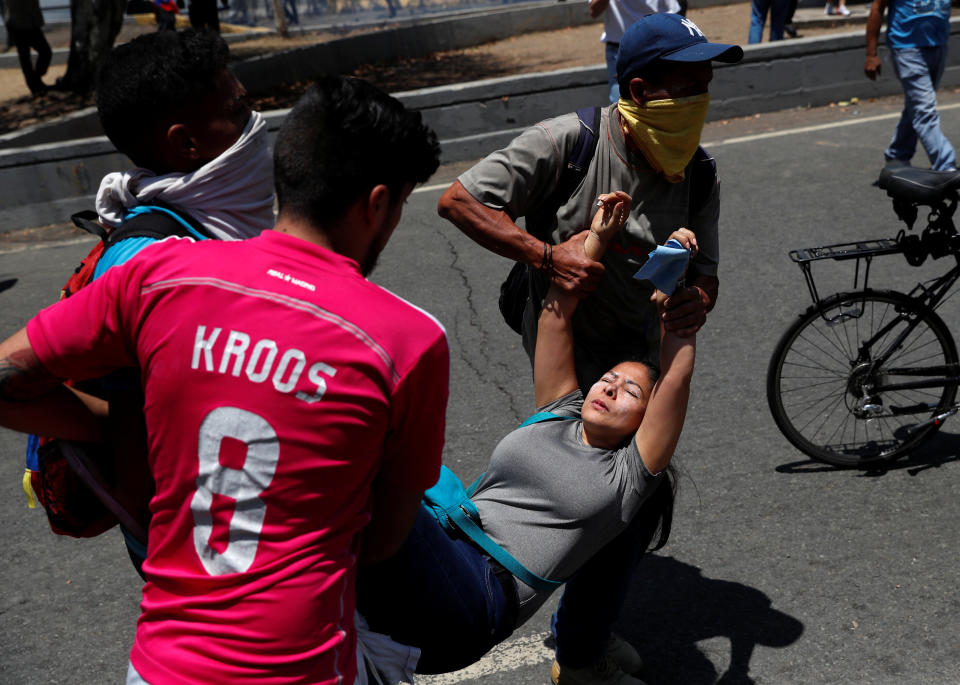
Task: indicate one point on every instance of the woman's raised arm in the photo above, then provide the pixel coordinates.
(554, 374)
(663, 420)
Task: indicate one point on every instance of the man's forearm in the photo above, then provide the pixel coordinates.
(60, 413)
(32, 400)
(874, 22)
(392, 518)
(491, 228)
(22, 376)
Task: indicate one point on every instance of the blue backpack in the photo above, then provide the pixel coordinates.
(66, 480)
(449, 502)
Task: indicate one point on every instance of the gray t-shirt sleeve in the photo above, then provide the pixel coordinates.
(568, 405)
(520, 177)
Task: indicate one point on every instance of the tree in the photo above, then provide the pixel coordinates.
(94, 25)
(281, 19)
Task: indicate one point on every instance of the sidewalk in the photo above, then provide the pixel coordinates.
(722, 22)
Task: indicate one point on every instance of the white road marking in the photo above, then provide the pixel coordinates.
(764, 136)
(817, 127)
(431, 188)
(505, 657)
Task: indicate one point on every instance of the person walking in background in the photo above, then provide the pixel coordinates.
(9, 37)
(788, 20)
(24, 22)
(840, 9)
(618, 16)
(166, 12)
(758, 17)
(917, 35)
(290, 11)
(241, 13)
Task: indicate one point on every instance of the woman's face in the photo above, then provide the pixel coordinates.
(614, 406)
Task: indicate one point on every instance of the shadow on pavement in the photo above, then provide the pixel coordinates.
(942, 448)
(7, 284)
(672, 607)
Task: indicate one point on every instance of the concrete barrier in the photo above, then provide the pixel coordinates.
(44, 183)
(474, 118)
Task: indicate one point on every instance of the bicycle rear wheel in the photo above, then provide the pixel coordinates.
(828, 383)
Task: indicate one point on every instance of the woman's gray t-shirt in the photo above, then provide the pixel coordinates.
(553, 502)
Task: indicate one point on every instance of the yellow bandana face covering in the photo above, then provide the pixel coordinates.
(667, 131)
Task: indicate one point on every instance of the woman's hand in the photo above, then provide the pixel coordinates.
(610, 217)
(687, 238)
(659, 298)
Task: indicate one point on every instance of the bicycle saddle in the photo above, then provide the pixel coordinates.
(922, 186)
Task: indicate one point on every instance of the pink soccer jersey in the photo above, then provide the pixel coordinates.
(278, 383)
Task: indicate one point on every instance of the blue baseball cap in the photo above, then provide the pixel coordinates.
(668, 37)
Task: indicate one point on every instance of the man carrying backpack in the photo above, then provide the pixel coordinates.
(292, 406)
(647, 145)
(169, 102)
(203, 169)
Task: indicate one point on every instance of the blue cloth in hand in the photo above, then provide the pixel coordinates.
(665, 266)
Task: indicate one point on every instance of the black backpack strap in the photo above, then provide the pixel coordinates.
(576, 168)
(524, 281)
(89, 222)
(703, 176)
(156, 221)
(572, 174)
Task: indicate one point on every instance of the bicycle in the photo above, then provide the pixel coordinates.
(863, 377)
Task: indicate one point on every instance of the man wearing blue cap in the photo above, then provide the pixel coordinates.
(647, 144)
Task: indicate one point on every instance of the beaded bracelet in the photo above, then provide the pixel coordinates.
(546, 264)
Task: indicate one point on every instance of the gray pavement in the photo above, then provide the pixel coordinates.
(780, 570)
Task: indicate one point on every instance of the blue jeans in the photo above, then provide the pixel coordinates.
(611, 52)
(919, 71)
(592, 598)
(758, 16)
(439, 594)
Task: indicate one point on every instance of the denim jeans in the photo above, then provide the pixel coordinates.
(439, 594)
(592, 599)
(919, 71)
(611, 52)
(758, 16)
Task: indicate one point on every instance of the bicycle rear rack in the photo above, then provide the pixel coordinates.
(864, 250)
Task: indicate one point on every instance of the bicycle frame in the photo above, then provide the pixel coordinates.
(940, 238)
(867, 374)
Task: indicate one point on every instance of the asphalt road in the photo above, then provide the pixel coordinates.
(779, 570)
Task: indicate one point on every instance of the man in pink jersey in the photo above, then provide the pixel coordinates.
(295, 411)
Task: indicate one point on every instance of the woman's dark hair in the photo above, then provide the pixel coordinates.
(659, 508)
(143, 83)
(343, 138)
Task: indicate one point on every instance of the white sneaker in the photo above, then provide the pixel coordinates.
(604, 672)
(624, 655)
(843, 11)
